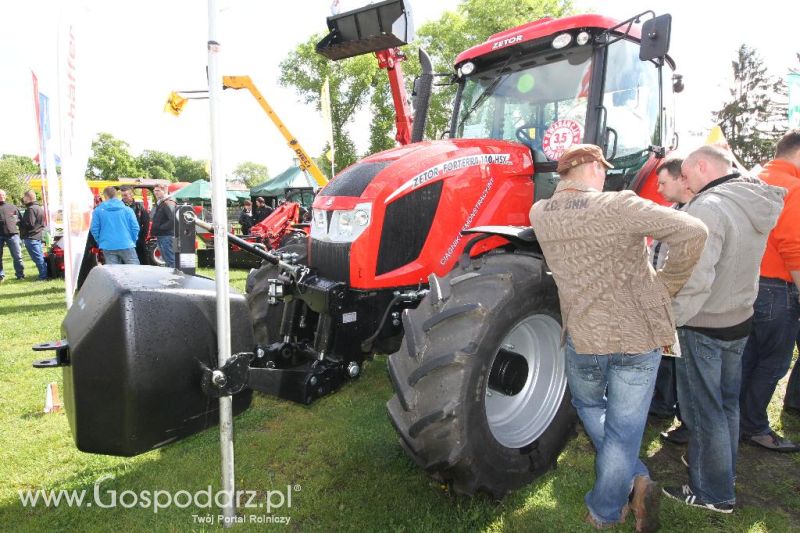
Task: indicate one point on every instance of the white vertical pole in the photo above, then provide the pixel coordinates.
(220, 215)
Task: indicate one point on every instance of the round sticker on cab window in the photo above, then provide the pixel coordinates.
(559, 136)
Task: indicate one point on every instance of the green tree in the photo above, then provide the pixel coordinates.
(755, 117)
(13, 169)
(382, 126)
(350, 83)
(323, 163)
(251, 173)
(188, 169)
(111, 160)
(472, 23)
(157, 165)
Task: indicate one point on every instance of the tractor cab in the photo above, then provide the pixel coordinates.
(551, 83)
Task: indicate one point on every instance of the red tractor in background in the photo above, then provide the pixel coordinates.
(423, 252)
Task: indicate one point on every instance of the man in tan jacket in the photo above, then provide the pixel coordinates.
(616, 315)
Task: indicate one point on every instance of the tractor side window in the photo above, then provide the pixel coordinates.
(631, 102)
(668, 100)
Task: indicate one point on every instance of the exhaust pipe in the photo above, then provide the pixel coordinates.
(422, 96)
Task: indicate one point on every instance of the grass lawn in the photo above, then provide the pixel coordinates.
(340, 456)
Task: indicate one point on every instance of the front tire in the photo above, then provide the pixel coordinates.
(496, 317)
(267, 317)
(154, 254)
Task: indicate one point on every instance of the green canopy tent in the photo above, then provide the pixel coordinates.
(291, 177)
(200, 191)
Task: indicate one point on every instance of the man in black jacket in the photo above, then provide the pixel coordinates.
(163, 224)
(261, 210)
(31, 228)
(246, 221)
(9, 234)
(142, 217)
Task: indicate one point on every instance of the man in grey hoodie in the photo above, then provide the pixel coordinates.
(714, 313)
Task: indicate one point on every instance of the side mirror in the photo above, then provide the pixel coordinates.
(655, 37)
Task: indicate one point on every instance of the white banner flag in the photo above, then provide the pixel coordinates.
(51, 193)
(75, 146)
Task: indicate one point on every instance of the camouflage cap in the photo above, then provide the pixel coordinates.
(578, 154)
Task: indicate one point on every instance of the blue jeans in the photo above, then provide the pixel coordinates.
(34, 247)
(165, 245)
(792, 398)
(709, 375)
(768, 353)
(16, 255)
(126, 256)
(665, 396)
(612, 393)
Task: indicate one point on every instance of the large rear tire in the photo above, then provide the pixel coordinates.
(478, 321)
(267, 317)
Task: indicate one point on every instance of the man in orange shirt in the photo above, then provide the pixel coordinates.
(769, 349)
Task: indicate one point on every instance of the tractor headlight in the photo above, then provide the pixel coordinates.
(345, 222)
(346, 225)
(362, 217)
(562, 41)
(319, 219)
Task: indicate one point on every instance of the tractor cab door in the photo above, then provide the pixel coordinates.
(631, 111)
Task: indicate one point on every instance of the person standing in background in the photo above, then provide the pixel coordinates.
(115, 229)
(246, 221)
(768, 352)
(163, 227)
(665, 397)
(714, 314)
(31, 228)
(616, 318)
(9, 234)
(142, 217)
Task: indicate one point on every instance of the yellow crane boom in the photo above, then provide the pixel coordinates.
(306, 163)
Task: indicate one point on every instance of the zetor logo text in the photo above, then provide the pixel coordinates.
(507, 42)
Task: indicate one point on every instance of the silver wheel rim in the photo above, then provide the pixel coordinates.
(158, 259)
(518, 420)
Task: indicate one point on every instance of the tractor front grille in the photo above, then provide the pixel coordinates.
(331, 259)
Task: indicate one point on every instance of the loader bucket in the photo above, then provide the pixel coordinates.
(368, 29)
(138, 337)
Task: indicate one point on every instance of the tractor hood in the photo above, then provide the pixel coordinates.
(390, 175)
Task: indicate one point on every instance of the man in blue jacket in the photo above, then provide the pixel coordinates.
(115, 228)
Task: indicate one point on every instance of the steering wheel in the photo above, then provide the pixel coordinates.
(523, 135)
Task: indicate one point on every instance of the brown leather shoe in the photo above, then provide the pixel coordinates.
(645, 504)
(589, 519)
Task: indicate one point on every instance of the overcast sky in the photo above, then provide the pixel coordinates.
(134, 53)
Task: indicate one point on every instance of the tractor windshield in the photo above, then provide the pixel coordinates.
(539, 103)
(541, 100)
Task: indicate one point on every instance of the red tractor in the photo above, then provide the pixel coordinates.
(423, 252)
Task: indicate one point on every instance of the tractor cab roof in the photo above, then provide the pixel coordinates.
(542, 28)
